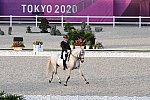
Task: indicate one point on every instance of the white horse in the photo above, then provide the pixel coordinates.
(76, 56)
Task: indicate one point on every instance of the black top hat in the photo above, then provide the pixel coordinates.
(65, 36)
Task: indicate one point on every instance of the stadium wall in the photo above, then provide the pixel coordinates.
(75, 8)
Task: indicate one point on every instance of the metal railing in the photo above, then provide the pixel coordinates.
(62, 18)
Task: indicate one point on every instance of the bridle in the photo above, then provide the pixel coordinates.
(79, 57)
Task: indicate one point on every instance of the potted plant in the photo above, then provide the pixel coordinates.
(28, 29)
(68, 27)
(37, 46)
(88, 44)
(81, 37)
(89, 36)
(94, 46)
(72, 44)
(38, 42)
(99, 45)
(44, 25)
(1, 32)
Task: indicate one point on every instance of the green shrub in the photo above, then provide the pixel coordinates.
(81, 34)
(4, 96)
(89, 36)
(44, 25)
(68, 27)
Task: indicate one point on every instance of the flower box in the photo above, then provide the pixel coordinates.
(37, 48)
(18, 43)
(77, 47)
(17, 48)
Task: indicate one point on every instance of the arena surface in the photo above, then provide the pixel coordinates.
(107, 77)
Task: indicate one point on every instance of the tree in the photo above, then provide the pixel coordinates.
(77, 35)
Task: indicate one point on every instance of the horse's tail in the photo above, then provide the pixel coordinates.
(49, 65)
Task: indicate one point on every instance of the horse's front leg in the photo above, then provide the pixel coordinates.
(69, 73)
(83, 76)
(58, 78)
(51, 77)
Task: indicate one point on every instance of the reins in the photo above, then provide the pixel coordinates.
(75, 56)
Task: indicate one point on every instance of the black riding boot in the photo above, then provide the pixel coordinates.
(64, 64)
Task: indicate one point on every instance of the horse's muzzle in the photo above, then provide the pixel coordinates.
(82, 59)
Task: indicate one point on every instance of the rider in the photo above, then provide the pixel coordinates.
(65, 48)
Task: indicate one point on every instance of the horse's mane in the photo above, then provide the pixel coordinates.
(77, 50)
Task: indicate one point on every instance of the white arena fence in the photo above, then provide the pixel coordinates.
(87, 53)
(62, 22)
(49, 97)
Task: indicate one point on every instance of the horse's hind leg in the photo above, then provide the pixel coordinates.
(83, 76)
(69, 72)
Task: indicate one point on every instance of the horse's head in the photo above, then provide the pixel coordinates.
(79, 54)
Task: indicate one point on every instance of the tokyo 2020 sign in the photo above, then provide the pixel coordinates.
(76, 8)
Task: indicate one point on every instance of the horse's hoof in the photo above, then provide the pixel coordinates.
(49, 81)
(60, 82)
(65, 84)
(87, 82)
